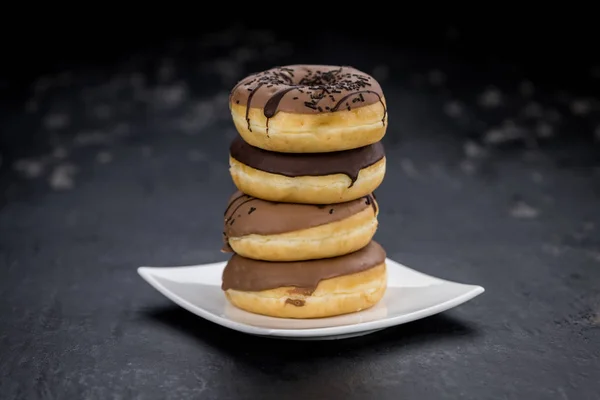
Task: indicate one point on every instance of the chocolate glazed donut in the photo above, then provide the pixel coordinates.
(307, 289)
(313, 178)
(270, 231)
(309, 108)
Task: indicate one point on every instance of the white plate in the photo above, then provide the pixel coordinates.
(411, 295)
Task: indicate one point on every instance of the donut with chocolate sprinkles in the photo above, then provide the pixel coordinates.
(309, 109)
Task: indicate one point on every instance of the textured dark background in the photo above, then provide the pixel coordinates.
(113, 154)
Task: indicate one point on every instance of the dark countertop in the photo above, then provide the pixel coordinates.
(493, 179)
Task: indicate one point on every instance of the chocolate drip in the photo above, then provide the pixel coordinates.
(233, 206)
(262, 217)
(347, 162)
(273, 103)
(321, 89)
(231, 218)
(361, 98)
(245, 274)
(370, 201)
(232, 200)
(252, 93)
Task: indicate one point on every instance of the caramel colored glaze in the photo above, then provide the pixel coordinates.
(307, 89)
(249, 275)
(246, 215)
(347, 162)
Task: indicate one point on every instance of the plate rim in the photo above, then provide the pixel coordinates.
(475, 290)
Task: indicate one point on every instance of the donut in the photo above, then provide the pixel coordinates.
(265, 230)
(307, 289)
(309, 109)
(313, 178)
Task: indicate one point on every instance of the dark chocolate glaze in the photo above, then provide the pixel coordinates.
(249, 275)
(246, 215)
(347, 162)
(307, 89)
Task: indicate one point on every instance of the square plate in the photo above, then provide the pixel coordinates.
(410, 295)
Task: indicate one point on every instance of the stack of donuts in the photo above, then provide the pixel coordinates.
(306, 162)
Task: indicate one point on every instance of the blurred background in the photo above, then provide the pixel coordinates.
(113, 154)
(499, 114)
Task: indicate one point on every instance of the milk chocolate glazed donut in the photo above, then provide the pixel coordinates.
(265, 230)
(309, 109)
(307, 289)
